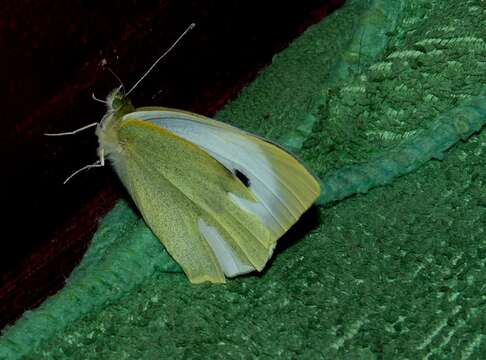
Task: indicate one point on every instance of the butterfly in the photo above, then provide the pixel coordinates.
(216, 196)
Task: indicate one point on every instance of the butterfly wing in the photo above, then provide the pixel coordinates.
(217, 197)
(283, 186)
(183, 195)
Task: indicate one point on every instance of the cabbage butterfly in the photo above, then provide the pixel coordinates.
(217, 197)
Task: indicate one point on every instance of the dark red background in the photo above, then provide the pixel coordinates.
(51, 55)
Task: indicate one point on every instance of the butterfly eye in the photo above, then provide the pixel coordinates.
(242, 177)
(118, 101)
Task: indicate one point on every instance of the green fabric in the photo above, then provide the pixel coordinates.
(368, 95)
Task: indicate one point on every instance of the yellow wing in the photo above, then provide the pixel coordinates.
(217, 197)
(279, 181)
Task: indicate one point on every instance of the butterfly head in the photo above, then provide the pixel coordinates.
(118, 105)
(117, 101)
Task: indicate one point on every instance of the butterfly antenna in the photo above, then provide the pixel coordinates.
(116, 76)
(95, 98)
(72, 132)
(190, 27)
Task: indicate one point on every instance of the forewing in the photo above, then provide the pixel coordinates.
(192, 203)
(283, 187)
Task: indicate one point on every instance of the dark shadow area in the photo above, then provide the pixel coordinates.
(307, 223)
(54, 57)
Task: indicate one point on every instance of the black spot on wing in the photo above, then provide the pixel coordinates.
(242, 177)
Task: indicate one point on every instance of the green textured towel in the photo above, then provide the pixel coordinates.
(393, 272)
